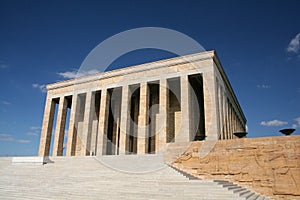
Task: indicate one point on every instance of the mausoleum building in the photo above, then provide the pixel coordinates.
(141, 109)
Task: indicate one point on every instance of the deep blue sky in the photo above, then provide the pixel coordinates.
(39, 39)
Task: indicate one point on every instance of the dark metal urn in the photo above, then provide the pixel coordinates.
(287, 131)
(240, 134)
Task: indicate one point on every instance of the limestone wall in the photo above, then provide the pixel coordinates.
(269, 165)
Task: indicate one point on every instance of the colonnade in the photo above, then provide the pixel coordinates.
(142, 115)
(229, 120)
(105, 121)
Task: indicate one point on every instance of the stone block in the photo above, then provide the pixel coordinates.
(35, 160)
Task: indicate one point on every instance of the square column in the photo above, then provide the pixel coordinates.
(103, 122)
(47, 127)
(89, 112)
(94, 137)
(60, 127)
(72, 132)
(231, 121)
(143, 118)
(227, 119)
(125, 117)
(184, 134)
(210, 105)
(224, 114)
(162, 117)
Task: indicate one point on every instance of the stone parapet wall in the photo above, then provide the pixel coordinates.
(269, 165)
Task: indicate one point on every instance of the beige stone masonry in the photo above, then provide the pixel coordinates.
(269, 165)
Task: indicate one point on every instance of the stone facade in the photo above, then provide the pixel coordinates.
(270, 165)
(139, 109)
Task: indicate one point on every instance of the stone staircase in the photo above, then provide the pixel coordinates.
(102, 178)
(242, 192)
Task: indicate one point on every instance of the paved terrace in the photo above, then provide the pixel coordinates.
(89, 178)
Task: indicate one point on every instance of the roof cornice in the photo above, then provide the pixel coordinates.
(133, 69)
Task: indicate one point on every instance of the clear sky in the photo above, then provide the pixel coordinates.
(256, 41)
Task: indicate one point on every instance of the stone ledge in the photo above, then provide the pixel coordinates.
(36, 160)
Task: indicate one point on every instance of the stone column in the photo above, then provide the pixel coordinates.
(125, 117)
(94, 137)
(210, 105)
(72, 131)
(229, 121)
(143, 118)
(162, 118)
(217, 107)
(227, 118)
(224, 114)
(60, 127)
(103, 121)
(184, 134)
(221, 113)
(234, 122)
(89, 112)
(47, 127)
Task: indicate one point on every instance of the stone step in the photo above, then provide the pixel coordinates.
(247, 194)
(90, 178)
